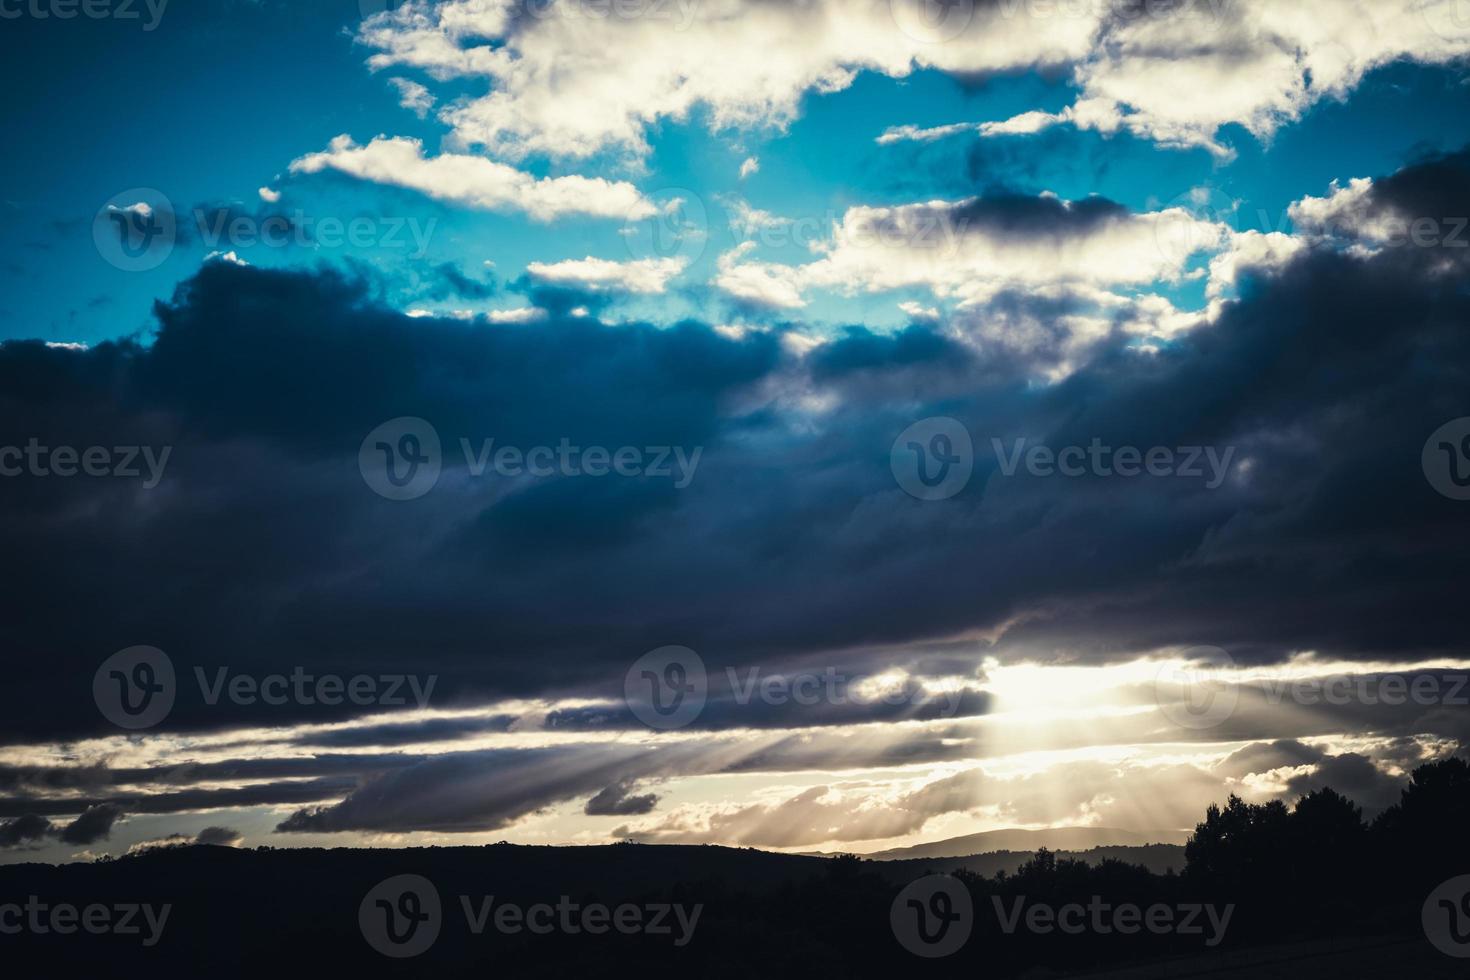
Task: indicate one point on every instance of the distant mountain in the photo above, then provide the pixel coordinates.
(1158, 858)
(1030, 841)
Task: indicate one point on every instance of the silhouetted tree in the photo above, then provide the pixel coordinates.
(1428, 830)
(1241, 846)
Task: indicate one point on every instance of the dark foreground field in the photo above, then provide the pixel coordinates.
(263, 912)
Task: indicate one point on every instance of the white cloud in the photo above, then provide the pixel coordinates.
(269, 196)
(1024, 124)
(1179, 79)
(761, 283)
(574, 86)
(752, 165)
(971, 250)
(919, 311)
(745, 220)
(1345, 213)
(413, 96)
(918, 134)
(522, 314)
(1260, 250)
(639, 276)
(475, 181)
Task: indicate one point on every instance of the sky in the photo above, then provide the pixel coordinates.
(831, 425)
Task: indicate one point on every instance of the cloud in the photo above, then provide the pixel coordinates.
(1147, 797)
(413, 96)
(24, 830)
(466, 792)
(214, 836)
(219, 836)
(920, 134)
(1178, 80)
(560, 88)
(617, 801)
(644, 276)
(1261, 757)
(476, 182)
(521, 314)
(751, 166)
(918, 311)
(759, 283)
(814, 816)
(1026, 123)
(93, 825)
(1353, 775)
(1325, 375)
(974, 249)
(1173, 73)
(192, 798)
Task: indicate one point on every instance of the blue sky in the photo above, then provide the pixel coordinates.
(220, 97)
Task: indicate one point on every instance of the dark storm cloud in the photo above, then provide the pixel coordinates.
(261, 794)
(618, 801)
(452, 282)
(316, 776)
(407, 733)
(471, 791)
(1434, 187)
(218, 836)
(559, 300)
(272, 479)
(488, 789)
(1002, 215)
(1355, 777)
(24, 830)
(1026, 216)
(93, 825)
(263, 548)
(52, 777)
(508, 783)
(1265, 756)
(860, 349)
